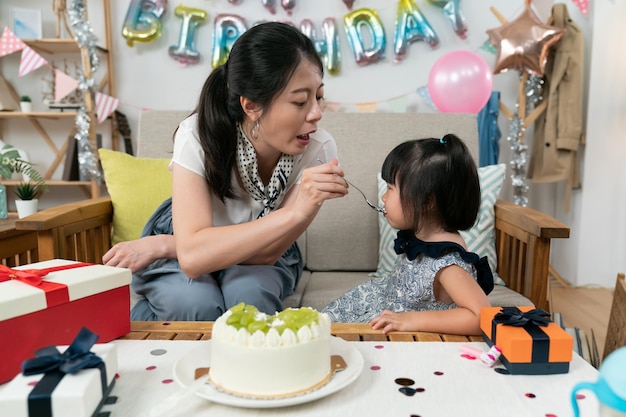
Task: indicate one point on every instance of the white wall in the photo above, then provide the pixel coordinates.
(146, 77)
(601, 252)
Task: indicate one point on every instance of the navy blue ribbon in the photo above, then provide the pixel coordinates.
(513, 316)
(407, 242)
(531, 321)
(56, 365)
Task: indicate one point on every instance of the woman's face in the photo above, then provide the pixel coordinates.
(293, 115)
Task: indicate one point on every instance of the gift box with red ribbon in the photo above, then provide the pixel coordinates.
(48, 302)
(66, 381)
(531, 343)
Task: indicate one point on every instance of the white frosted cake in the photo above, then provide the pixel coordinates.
(254, 354)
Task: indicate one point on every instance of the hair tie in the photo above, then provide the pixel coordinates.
(443, 141)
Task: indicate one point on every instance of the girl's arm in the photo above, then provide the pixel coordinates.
(457, 286)
(203, 248)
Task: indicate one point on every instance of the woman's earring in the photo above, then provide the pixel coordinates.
(254, 132)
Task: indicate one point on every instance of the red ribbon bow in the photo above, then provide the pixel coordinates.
(55, 293)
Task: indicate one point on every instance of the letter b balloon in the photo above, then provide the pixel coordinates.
(460, 82)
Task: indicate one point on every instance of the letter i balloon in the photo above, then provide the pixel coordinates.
(185, 52)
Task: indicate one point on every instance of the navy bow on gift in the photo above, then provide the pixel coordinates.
(55, 365)
(515, 317)
(75, 357)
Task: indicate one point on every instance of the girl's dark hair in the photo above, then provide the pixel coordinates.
(260, 64)
(436, 177)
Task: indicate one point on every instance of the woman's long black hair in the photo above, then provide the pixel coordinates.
(260, 65)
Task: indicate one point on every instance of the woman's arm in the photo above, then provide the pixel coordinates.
(203, 248)
(457, 287)
(139, 253)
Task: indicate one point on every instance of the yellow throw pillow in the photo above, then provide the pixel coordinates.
(137, 186)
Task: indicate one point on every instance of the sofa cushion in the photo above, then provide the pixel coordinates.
(137, 186)
(323, 287)
(480, 238)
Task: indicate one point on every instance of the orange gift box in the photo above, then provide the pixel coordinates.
(530, 342)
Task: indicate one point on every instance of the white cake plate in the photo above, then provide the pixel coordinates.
(200, 357)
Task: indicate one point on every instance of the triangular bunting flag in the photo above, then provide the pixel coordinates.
(331, 106)
(367, 107)
(63, 85)
(425, 95)
(105, 105)
(10, 43)
(398, 104)
(30, 61)
(488, 46)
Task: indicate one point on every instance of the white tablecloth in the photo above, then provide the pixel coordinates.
(448, 384)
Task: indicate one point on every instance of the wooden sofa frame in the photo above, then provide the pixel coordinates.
(81, 231)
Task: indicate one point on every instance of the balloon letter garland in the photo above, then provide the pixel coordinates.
(328, 46)
(227, 28)
(185, 52)
(411, 26)
(365, 19)
(452, 11)
(143, 21)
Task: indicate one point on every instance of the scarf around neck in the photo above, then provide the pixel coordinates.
(248, 167)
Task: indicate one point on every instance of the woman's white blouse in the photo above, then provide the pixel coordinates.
(189, 154)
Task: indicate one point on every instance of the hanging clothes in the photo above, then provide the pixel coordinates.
(558, 130)
(489, 132)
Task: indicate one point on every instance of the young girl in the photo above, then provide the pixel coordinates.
(433, 191)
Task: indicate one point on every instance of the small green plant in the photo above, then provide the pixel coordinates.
(29, 190)
(10, 162)
(25, 99)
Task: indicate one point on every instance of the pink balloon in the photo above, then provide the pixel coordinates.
(460, 82)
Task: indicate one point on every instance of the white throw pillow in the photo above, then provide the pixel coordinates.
(480, 239)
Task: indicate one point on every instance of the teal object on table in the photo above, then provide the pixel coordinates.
(610, 388)
(4, 212)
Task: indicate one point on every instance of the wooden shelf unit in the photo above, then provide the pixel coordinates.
(68, 46)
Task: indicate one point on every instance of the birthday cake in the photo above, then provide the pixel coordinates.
(257, 355)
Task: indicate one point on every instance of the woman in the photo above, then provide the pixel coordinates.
(246, 183)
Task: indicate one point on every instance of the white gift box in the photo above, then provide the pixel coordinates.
(31, 317)
(76, 395)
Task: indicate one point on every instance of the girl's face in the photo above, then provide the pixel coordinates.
(293, 115)
(395, 215)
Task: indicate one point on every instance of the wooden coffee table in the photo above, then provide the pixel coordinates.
(353, 332)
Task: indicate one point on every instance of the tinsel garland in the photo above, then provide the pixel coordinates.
(517, 129)
(83, 34)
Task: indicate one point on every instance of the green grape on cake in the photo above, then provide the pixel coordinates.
(250, 318)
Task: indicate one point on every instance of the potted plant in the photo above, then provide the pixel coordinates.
(25, 104)
(28, 193)
(31, 188)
